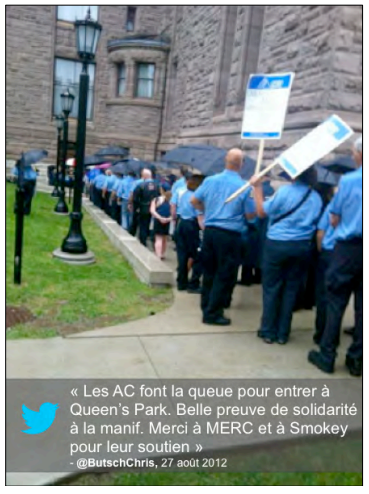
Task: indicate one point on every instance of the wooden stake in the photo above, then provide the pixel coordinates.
(247, 184)
(260, 156)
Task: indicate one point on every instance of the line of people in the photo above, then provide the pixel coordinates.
(289, 240)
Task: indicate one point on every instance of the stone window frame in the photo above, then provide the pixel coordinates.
(228, 18)
(248, 27)
(134, 10)
(130, 57)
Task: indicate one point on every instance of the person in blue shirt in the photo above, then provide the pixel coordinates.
(181, 182)
(110, 180)
(345, 271)
(114, 200)
(293, 214)
(29, 185)
(221, 248)
(132, 207)
(126, 188)
(188, 236)
(98, 184)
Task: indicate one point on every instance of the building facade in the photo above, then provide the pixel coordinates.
(166, 75)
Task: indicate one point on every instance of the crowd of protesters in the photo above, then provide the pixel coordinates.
(283, 239)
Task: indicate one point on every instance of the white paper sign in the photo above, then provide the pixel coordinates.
(314, 146)
(266, 105)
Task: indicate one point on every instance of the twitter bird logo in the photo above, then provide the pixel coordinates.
(39, 421)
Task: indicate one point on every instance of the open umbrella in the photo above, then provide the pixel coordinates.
(103, 166)
(134, 165)
(341, 164)
(120, 168)
(205, 158)
(113, 151)
(33, 156)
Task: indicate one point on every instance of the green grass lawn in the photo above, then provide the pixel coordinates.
(245, 479)
(63, 298)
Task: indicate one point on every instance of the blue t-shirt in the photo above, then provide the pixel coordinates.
(28, 173)
(99, 181)
(324, 224)
(348, 204)
(182, 200)
(213, 193)
(179, 184)
(299, 225)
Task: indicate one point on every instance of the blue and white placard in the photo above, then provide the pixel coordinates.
(266, 105)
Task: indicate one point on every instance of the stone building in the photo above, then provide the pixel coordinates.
(166, 75)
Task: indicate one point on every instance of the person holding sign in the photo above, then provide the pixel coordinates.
(222, 244)
(293, 214)
(345, 271)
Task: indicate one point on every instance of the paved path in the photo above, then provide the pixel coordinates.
(172, 344)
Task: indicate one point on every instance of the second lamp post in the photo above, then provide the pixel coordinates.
(67, 105)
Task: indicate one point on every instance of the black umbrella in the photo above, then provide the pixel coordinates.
(207, 159)
(93, 160)
(326, 177)
(135, 165)
(341, 164)
(121, 168)
(113, 151)
(33, 156)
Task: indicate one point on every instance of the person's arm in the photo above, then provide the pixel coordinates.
(197, 204)
(259, 200)
(153, 211)
(200, 220)
(335, 220)
(337, 205)
(319, 239)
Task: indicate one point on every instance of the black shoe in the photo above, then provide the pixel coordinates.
(182, 288)
(259, 333)
(349, 331)
(227, 305)
(355, 366)
(269, 341)
(196, 291)
(219, 321)
(317, 359)
(282, 341)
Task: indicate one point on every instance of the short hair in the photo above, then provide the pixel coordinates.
(358, 145)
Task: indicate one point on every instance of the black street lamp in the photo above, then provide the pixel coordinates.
(67, 105)
(87, 37)
(59, 120)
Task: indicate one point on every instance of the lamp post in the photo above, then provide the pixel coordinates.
(67, 104)
(59, 126)
(87, 36)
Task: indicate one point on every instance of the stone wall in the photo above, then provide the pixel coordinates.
(34, 37)
(321, 44)
(204, 92)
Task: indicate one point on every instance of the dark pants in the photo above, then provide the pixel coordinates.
(134, 224)
(144, 220)
(284, 265)
(115, 211)
(107, 205)
(188, 243)
(221, 257)
(29, 190)
(344, 276)
(321, 292)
